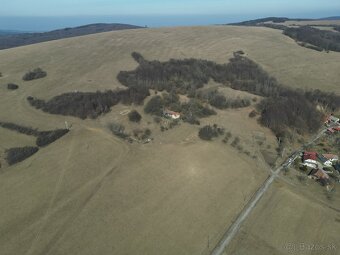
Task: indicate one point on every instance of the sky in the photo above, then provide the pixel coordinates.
(46, 14)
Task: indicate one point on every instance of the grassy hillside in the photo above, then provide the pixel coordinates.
(15, 39)
(92, 193)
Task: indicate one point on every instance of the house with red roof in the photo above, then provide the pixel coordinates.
(309, 155)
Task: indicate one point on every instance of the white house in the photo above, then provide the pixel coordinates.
(171, 114)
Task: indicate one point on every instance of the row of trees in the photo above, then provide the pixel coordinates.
(43, 138)
(89, 104)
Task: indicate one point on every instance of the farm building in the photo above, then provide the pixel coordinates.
(171, 114)
(309, 155)
(318, 174)
(331, 120)
(331, 157)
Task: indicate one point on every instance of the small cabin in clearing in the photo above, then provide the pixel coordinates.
(171, 114)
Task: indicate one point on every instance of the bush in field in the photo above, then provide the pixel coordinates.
(252, 114)
(15, 155)
(209, 132)
(134, 116)
(35, 74)
(118, 130)
(235, 142)
(12, 86)
(47, 137)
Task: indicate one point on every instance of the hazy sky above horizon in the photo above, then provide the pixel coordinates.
(149, 10)
(166, 7)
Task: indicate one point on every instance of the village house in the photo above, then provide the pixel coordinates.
(171, 114)
(318, 174)
(309, 155)
(331, 157)
(331, 119)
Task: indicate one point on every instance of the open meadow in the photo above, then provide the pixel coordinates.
(92, 193)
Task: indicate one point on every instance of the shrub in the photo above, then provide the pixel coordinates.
(118, 130)
(208, 132)
(47, 137)
(12, 86)
(235, 142)
(147, 133)
(15, 155)
(252, 114)
(35, 74)
(134, 116)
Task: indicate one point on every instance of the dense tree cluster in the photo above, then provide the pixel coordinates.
(290, 112)
(12, 86)
(15, 155)
(328, 100)
(221, 102)
(190, 111)
(89, 104)
(35, 74)
(43, 137)
(155, 106)
(185, 76)
(322, 39)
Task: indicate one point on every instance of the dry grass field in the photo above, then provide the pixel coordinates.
(91, 193)
(287, 221)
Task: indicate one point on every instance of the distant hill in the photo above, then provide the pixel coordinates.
(21, 39)
(9, 32)
(331, 18)
(256, 22)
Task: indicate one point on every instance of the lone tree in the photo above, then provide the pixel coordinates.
(134, 116)
(207, 133)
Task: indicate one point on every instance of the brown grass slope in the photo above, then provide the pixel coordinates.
(90, 193)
